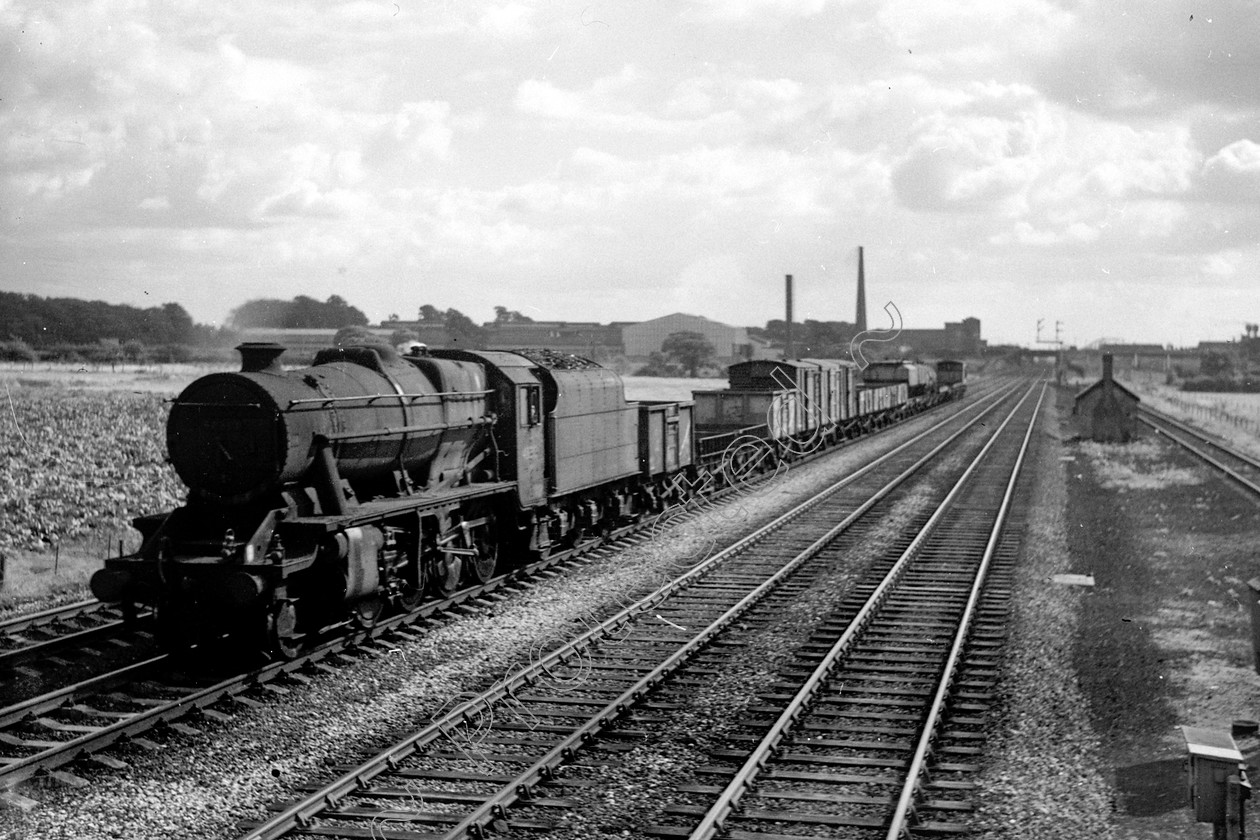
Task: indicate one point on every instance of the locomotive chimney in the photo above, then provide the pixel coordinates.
(787, 349)
(260, 357)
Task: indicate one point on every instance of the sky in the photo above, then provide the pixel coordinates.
(1094, 164)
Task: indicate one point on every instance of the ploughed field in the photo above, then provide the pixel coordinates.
(75, 467)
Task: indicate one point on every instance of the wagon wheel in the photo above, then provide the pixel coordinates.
(445, 572)
(482, 567)
(537, 554)
(282, 632)
(410, 596)
(410, 592)
(366, 611)
(577, 535)
(482, 539)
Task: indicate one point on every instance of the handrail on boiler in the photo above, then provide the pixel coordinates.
(368, 399)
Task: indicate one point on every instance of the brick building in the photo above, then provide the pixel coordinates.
(958, 338)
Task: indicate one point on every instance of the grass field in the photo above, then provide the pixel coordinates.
(150, 379)
(1243, 405)
(38, 579)
(1234, 418)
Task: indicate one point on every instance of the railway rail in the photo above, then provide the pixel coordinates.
(500, 760)
(1240, 467)
(40, 734)
(38, 635)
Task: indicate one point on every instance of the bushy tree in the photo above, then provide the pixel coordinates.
(263, 312)
(503, 315)
(17, 351)
(107, 351)
(1215, 364)
(689, 349)
(134, 351)
(463, 332)
(302, 312)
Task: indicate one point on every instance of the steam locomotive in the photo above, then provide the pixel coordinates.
(370, 481)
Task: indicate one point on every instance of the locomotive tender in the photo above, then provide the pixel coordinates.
(371, 480)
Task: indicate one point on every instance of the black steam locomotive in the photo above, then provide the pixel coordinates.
(373, 480)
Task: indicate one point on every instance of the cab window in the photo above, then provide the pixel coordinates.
(531, 405)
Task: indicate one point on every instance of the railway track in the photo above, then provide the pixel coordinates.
(1240, 467)
(926, 630)
(40, 635)
(45, 733)
(513, 757)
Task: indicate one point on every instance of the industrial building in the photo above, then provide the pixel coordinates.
(581, 338)
(730, 344)
(958, 338)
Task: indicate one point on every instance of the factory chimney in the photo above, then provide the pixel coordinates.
(787, 347)
(861, 296)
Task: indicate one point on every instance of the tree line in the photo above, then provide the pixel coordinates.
(32, 326)
(69, 329)
(42, 322)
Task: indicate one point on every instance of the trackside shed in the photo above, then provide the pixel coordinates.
(1105, 411)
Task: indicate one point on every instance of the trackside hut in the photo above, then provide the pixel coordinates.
(1105, 410)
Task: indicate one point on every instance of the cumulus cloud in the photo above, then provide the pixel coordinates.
(187, 132)
(1231, 177)
(1241, 156)
(1036, 173)
(980, 154)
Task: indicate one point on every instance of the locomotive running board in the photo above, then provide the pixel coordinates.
(368, 512)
